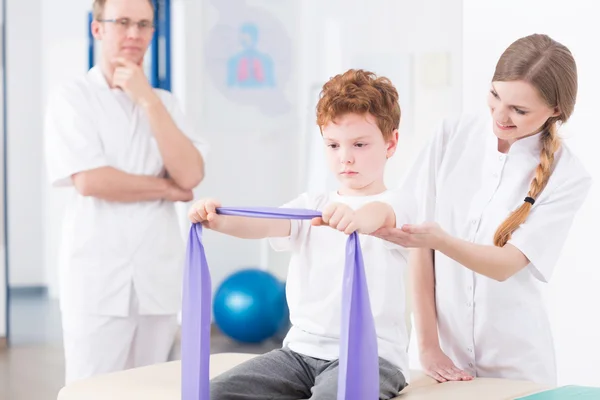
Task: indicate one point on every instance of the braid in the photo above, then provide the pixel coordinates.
(550, 144)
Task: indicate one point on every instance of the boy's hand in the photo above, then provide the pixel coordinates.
(365, 220)
(338, 216)
(205, 212)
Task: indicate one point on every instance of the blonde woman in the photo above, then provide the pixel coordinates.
(497, 196)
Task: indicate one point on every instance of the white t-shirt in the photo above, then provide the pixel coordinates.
(108, 247)
(490, 328)
(314, 282)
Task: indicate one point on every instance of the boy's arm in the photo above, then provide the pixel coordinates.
(365, 220)
(205, 212)
(375, 215)
(250, 228)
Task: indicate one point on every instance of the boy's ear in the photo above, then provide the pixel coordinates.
(392, 144)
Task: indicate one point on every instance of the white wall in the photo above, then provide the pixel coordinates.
(407, 37)
(433, 41)
(253, 160)
(63, 57)
(24, 163)
(488, 28)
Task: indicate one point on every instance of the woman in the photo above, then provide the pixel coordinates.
(497, 196)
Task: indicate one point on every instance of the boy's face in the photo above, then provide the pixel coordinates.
(357, 153)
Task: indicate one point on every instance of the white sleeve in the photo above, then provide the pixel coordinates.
(184, 124)
(414, 202)
(296, 229)
(71, 141)
(403, 203)
(542, 236)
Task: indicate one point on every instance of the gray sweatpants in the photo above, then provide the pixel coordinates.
(285, 374)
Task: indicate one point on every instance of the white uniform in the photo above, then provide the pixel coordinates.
(491, 328)
(120, 264)
(314, 282)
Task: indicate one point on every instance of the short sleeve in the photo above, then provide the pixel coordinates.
(414, 201)
(297, 226)
(71, 141)
(542, 236)
(183, 123)
(404, 206)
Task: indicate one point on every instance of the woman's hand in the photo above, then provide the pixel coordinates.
(427, 235)
(440, 367)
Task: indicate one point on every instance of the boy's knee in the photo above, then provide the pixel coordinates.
(218, 389)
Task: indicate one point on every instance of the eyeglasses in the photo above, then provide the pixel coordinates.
(124, 24)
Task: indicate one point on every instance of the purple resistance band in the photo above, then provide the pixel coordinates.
(358, 377)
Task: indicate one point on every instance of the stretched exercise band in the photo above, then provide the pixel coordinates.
(358, 377)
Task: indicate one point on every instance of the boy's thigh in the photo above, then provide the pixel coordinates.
(391, 382)
(280, 374)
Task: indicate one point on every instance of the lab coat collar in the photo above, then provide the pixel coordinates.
(97, 77)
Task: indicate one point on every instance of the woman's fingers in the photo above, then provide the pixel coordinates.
(437, 376)
(382, 233)
(450, 374)
(462, 374)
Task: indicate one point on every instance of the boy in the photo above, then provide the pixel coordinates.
(359, 116)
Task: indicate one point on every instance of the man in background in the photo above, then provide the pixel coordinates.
(128, 154)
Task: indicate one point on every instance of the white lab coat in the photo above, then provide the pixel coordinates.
(491, 328)
(112, 252)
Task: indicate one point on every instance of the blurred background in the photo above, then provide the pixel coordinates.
(265, 144)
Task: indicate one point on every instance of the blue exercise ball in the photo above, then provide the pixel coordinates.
(250, 306)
